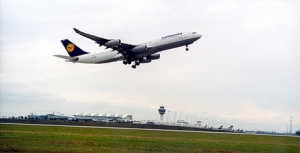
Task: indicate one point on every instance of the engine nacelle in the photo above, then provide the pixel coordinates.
(145, 60)
(140, 48)
(148, 59)
(113, 43)
(153, 57)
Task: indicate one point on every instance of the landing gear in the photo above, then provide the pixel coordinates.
(186, 49)
(137, 63)
(128, 61)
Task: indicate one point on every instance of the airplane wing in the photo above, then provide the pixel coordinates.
(121, 48)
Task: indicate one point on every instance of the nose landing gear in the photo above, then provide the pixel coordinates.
(186, 49)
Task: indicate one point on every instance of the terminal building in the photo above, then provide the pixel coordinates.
(101, 117)
(47, 117)
(96, 117)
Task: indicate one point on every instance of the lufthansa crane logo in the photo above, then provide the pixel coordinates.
(70, 47)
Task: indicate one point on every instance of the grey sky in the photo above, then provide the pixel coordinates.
(245, 70)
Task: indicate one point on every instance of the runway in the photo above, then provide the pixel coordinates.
(144, 129)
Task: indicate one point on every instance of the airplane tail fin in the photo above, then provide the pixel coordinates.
(72, 49)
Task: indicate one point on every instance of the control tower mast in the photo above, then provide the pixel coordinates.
(161, 111)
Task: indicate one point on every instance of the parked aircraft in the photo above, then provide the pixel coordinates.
(128, 53)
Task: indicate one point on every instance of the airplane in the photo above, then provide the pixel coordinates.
(128, 53)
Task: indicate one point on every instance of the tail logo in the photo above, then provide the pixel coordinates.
(70, 47)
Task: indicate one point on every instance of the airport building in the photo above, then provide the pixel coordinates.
(84, 117)
(101, 117)
(47, 117)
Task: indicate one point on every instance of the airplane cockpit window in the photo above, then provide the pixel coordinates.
(194, 33)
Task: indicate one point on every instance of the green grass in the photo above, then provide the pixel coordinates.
(25, 138)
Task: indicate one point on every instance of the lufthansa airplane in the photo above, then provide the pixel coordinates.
(128, 53)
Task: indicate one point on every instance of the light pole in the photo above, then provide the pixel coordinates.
(180, 116)
(180, 119)
(168, 118)
(191, 120)
(174, 118)
(291, 126)
(186, 120)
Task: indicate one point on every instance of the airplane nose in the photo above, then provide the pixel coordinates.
(198, 36)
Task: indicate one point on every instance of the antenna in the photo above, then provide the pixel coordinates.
(161, 111)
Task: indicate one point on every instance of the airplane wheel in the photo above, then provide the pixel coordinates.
(187, 49)
(137, 63)
(133, 66)
(125, 62)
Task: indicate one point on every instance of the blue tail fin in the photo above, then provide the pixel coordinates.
(72, 49)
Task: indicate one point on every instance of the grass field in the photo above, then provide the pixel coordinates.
(27, 138)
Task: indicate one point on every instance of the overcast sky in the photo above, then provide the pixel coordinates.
(244, 71)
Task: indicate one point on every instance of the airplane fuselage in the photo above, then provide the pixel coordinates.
(155, 45)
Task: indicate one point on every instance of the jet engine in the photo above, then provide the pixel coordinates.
(148, 59)
(113, 43)
(140, 48)
(153, 57)
(144, 60)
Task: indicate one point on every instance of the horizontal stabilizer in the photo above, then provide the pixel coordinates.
(71, 59)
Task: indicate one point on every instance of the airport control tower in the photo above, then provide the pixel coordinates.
(161, 111)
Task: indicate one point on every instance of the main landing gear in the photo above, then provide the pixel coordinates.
(186, 49)
(136, 63)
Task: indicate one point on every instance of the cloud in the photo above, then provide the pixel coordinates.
(20, 98)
